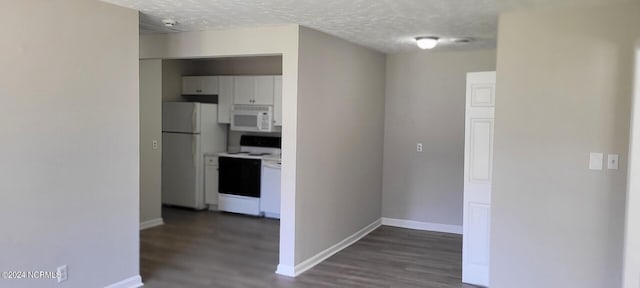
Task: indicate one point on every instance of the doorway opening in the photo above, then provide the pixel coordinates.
(187, 114)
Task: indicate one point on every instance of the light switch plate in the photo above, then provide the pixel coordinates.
(595, 161)
(612, 161)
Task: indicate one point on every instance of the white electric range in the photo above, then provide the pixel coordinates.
(248, 183)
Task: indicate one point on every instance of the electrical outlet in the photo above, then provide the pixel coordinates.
(419, 147)
(62, 273)
(155, 144)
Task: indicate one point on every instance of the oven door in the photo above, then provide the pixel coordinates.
(239, 176)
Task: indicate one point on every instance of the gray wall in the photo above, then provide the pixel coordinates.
(425, 102)
(69, 126)
(340, 136)
(563, 90)
(150, 130)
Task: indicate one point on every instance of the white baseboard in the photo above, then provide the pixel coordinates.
(131, 282)
(410, 224)
(151, 223)
(272, 215)
(287, 270)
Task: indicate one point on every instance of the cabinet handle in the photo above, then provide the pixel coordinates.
(198, 90)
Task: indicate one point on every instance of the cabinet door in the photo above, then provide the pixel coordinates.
(209, 85)
(225, 98)
(244, 90)
(270, 191)
(211, 180)
(264, 90)
(277, 101)
(191, 85)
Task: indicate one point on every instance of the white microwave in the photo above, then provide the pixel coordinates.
(255, 118)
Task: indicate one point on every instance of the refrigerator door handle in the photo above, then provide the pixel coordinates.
(193, 119)
(193, 151)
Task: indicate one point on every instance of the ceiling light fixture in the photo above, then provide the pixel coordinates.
(169, 22)
(427, 42)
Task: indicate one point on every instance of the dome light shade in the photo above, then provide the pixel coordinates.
(427, 42)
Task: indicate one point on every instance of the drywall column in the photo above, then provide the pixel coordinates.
(150, 131)
(340, 138)
(425, 103)
(631, 275)
(70, 137)
(564, 87)
(272, 40)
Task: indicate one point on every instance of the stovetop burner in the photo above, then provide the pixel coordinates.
(257, 147)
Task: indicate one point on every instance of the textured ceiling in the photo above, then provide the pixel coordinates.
(384, 25)
(504, 5)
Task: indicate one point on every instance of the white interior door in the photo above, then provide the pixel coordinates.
(478, 164)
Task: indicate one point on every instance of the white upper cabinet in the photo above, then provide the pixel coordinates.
(225, 98)
(191, 85)
(244, 89)
(247, 90)
(277, 101)
(200, 85)
(254, 90)
(264, 90)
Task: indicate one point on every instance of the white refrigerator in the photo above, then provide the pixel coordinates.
(189, 131)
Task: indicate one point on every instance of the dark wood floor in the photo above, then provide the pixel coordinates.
(210, 249)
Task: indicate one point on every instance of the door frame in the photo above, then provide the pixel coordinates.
(631, 268)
